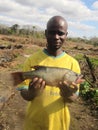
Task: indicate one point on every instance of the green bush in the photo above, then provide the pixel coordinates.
(89, 93)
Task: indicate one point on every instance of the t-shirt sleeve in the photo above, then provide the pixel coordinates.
(25, 83)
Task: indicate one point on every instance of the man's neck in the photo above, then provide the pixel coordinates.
(55, 53)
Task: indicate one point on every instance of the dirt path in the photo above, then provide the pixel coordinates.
(12, 115)
(81, 117)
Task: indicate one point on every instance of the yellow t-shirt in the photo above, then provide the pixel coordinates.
(48, 111)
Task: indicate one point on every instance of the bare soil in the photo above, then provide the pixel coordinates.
(12, 106)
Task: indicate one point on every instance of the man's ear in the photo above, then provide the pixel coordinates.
(66, 33)
(45, 32)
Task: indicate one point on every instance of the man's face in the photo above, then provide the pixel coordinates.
(56, 34)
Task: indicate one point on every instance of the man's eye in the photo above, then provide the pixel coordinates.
(54, 33)
(61, 33)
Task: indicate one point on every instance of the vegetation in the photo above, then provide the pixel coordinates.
(90, 95)
(37, 32)
(89, 90)
(94, 61)
(79, 57)
(24, 31)
(93, 41)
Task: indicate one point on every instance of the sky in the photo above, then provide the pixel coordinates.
(81, 15)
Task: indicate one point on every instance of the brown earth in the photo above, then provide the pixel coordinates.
(12, 106)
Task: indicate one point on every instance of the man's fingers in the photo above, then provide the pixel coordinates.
(64, 86)
(33, 81)
(38, 83)
(64, 83)
(43, 84)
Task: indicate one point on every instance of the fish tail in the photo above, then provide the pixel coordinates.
(17, 78)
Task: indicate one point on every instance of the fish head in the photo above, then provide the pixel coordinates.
(71, 76)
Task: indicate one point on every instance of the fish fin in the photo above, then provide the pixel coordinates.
(17, 78)
(36, 67)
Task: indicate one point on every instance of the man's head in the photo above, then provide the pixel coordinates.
(56, 32)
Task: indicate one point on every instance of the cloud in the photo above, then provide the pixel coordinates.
(69, 8)
(95, 5)
(80, 29)
(37, 12)
(80, 26)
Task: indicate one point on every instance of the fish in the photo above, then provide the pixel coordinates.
(52, 75)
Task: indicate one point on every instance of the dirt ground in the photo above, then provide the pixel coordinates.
(12, 108)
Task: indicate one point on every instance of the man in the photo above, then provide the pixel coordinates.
(47, 108)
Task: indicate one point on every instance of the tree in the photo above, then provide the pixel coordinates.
(15, 28)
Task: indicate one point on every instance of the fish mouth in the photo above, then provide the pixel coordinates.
(79, 79)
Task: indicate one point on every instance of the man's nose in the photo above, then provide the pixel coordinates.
(56, 36)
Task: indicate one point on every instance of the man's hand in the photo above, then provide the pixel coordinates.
(67, 90)
(36, 87)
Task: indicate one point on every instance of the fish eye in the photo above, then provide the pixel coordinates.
(77, 74)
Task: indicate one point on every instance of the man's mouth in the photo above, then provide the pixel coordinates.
(56, 44)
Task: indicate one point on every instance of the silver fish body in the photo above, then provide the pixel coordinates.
(52, 75)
